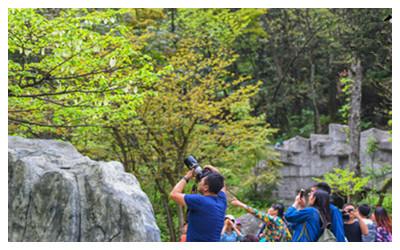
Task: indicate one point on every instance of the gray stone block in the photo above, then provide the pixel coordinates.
(297, 144)
(339, 132)
(304, 158)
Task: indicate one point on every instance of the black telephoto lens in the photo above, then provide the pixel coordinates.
(190, 162)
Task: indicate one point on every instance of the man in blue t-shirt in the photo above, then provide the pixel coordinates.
(207, 209)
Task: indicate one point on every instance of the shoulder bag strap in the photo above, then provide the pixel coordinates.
(329, 224)
(304, 229)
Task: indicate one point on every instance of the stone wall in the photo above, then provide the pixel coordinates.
(306, 158)
(56, 194)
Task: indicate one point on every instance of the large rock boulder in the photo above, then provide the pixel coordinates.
(56, 194)
(250, 223)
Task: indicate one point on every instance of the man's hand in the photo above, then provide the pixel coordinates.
(213, 169)
(236, 202)
(356, 214)
(363, 226)
(176, 194)
(190, 174)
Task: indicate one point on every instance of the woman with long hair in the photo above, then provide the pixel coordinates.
(309, 222)
(384, 225)
(275, 229)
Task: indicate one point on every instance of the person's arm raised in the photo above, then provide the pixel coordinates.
(236, 202)
(363, 226)
(176, 194)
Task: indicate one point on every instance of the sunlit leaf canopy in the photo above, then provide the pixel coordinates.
(76, 69)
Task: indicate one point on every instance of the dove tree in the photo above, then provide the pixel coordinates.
(73, 71)
(196, 111)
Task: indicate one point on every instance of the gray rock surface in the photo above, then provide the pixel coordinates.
(56, 194)
(250, 223)
(304, 158)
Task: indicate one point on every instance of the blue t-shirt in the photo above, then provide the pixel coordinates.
(231, 237)
(206, 217)
(310, 216)
(337, 224)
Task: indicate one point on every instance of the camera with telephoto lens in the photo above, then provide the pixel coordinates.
(191, 163)
(346, 215)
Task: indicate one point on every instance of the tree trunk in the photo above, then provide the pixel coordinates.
(272, 48)
(181, 216)
(383, 191)
(173, 19)
(317, 120)
(168, 211)
(355, 73)
(123, 151)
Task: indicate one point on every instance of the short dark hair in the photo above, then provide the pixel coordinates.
(323, 186)
(215, 182)
(280, 207)
(349, 204)
(364, 209)
(250, 238)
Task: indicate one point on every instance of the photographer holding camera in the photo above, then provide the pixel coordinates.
(207, 209)
(353, 229)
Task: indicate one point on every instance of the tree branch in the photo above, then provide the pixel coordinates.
(19, 121)
(291, 62)
(63, 105)
(10, 94)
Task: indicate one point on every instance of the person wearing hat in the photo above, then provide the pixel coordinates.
(230, 233)
(239, 226)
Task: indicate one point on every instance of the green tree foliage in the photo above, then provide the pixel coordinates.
(191, 115)
(364, 35)
(344, 183)
(73, 70)
(148, 87)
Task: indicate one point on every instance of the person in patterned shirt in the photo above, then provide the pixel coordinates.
(276, 229)
(384, 225)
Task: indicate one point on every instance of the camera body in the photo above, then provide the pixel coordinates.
(346, 215)
(191, 163)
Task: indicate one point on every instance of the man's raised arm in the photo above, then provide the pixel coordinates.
(177, 194)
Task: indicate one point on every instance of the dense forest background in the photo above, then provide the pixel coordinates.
(148, 87)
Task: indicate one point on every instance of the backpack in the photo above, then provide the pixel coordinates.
(326, 236)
